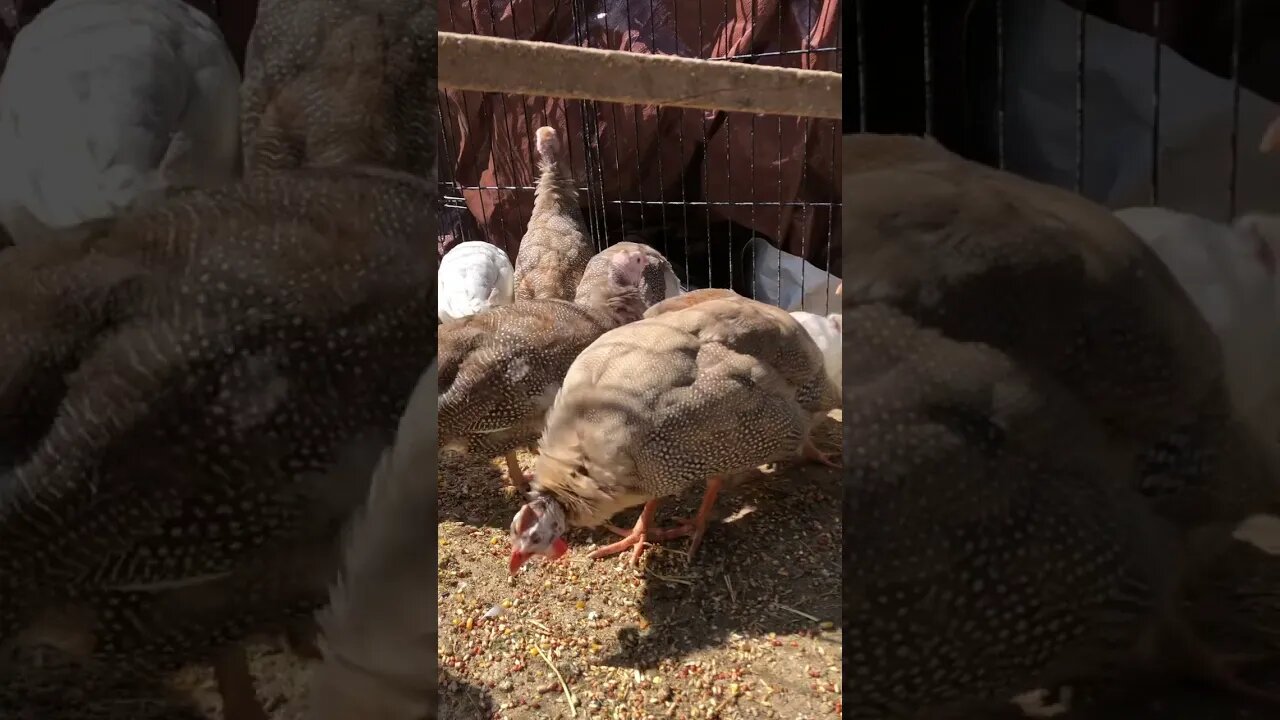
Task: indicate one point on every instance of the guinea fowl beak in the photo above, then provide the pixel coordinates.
(517, 559)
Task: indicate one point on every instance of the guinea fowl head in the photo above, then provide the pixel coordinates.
(621, 294)
(537, 529)
(547, 143)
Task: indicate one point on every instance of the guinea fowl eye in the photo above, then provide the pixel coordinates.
(580, 470)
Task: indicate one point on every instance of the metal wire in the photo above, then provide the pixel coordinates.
(1155, 102)
(1237, 30)
(1082, 21)
(611, 216)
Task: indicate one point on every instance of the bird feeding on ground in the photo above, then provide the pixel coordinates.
(656, 406)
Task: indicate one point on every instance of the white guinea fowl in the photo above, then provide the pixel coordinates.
(106, 104)
(474, 275)
(1229, 272)
(826, 331)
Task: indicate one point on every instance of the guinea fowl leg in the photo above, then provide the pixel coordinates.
(634, 539)
(235, 685)
(811, 452)
(704, 510)
(515, 474)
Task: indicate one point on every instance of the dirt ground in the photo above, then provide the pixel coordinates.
(750, 629)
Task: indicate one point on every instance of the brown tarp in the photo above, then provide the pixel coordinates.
(649, 153)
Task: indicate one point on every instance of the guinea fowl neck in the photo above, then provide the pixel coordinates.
(555, 190)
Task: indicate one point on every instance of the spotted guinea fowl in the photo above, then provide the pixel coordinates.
(108, 104)
(659, 281)
(219, 422)
(1064, 288)
(656, 406)
(337, 83)
(377, 633)
(472, 276)
(556, 248)
(981, 560)
(209, 411)
(500, 369)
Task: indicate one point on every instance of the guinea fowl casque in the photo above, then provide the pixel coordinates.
(109, 104)
(655, 406)
(500, 369)
(215, 378)
(474, 275)
(1059, 289)
(556, 247)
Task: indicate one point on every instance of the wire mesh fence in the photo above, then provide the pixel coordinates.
(697, 186)
(1158, 102)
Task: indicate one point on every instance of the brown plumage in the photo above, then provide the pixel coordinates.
(1064, 288)
(689, 299)
(215, 413)
(982, 561)
(658, 405)
(992, 322)
(377, 638)
(333, 83)
(658, 283)
(500, 368)
(555, 248)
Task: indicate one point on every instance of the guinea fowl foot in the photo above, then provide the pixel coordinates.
(235, 685)
(517, 477)
(811, 452)
(638, 536)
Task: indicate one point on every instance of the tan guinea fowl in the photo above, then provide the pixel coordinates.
(656, 406)
(335, 83)
(500, 368)
(659, 281)
(556, 247)
(981, 561)
(1059, 284)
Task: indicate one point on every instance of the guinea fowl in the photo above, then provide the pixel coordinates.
(981, 560)
(339, 83)
(202, 380)
(1229, 272)
(377, 634)
(556, 248)
(655, 406)
(1060, 285)
(474, 275)
(826, 332)
(659, 281)
(109, 104)
(500, 369)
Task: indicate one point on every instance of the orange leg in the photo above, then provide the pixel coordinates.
(704, 510)
(638, 535)
(514, 474)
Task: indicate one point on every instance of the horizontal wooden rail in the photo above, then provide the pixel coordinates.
(522, 67)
